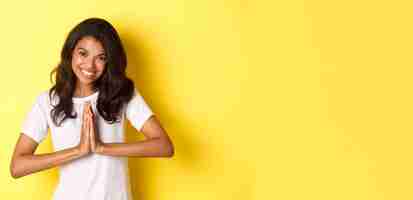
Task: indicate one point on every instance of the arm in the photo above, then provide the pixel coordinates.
(157, 144)
(24, 162)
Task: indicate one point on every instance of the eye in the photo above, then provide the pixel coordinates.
(102, 58)
(83, 54)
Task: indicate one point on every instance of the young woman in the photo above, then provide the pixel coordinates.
(86, 110)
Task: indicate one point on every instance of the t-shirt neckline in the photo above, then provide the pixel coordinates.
(86, 98)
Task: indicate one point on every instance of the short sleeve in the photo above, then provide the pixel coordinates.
(138, 111)
(35, 123)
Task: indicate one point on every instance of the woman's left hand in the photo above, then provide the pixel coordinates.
(96, 144)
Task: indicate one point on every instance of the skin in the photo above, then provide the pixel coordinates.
(89, 55)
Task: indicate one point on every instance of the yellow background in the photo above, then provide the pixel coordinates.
(262, 99)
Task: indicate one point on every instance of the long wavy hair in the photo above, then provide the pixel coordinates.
(115, 88)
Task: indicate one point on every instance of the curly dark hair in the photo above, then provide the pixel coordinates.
(115, 88)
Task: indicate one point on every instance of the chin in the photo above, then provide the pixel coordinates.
(86, 81)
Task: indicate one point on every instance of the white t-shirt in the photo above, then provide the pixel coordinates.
(95, 176)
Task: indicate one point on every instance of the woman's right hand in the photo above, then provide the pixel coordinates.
(84, 145)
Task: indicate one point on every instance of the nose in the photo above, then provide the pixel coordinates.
(90, 63)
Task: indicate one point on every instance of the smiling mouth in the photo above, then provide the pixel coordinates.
(88, 74)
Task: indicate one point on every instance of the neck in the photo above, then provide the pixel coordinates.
(83, 91)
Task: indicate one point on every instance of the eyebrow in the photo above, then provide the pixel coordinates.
(81, 48)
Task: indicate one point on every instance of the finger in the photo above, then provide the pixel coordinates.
(87, 104)
(89, 123)
(91, 134)
(90, 110)
(92, 127)
(86, 131)
(92, 139)
(85, 107)
(83, 120)
(90, 113)
(84, 113)
(91, 130)
(84, 124)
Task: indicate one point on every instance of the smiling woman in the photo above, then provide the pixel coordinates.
(85, 111)
(88, 60)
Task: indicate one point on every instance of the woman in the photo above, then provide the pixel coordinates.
(86, 110)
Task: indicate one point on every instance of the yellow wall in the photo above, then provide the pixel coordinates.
(263, 99)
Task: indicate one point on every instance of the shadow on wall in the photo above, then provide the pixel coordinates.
(139, 70)
(191, 155)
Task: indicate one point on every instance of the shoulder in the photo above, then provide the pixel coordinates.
(136, 95)
(43, 99)
(136, 100)
(43, 95)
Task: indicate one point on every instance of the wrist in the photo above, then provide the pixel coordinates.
(80, 152)
(77, 151)
(100, 148)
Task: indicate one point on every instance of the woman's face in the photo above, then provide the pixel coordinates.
(88, 60)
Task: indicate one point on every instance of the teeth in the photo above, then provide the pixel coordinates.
(87, 73)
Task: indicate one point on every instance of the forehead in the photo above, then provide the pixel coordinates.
(90, 43)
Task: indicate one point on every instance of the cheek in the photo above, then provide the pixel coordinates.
(76, 61)
(100, 67)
